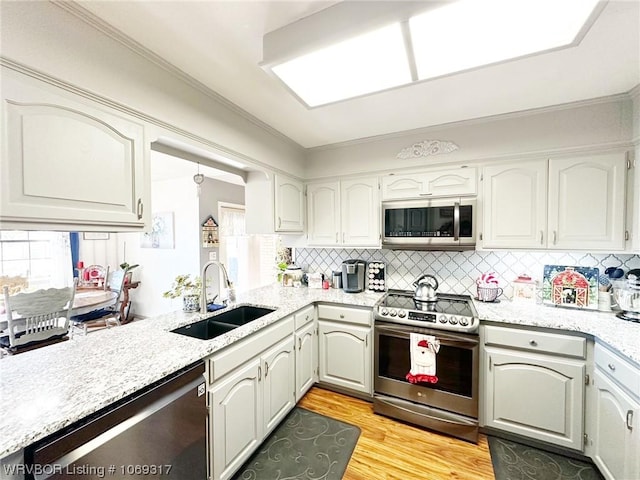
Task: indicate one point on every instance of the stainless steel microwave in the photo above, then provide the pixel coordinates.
(430, 224)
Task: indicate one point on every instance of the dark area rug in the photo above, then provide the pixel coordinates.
(305, 446)
(513, 461)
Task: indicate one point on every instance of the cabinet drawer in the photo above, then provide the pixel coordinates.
(543, 342)
(304, 316)
(221, 363)
(618, 369)
(343, 314)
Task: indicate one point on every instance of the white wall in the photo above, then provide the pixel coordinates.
(596, 124)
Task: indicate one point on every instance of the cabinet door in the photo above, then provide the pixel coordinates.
(236, 427)
(587, 202)
(615, 431)
(397, 187)
(278, 371)
(323, 202)
(360, 206)
(306, 359)
(289, 205)
(515, 205)
(69, 162)
(537, 396)
(345, 356)
(459, 181)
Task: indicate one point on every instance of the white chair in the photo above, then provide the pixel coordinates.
(107, 316)
(36, 319)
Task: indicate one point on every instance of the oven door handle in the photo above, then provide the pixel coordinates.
(446, 338)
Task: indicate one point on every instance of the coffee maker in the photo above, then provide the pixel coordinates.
(353, 272)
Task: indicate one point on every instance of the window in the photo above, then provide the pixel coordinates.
(41, 259)
(249, 259)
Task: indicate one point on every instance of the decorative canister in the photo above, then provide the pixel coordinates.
(524, 289)
(292, 276)
(191, 302)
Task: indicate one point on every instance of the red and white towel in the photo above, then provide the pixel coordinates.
(423, 358)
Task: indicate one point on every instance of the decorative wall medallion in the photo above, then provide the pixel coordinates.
(426, 148)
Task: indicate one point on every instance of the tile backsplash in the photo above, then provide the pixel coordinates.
(457, 271)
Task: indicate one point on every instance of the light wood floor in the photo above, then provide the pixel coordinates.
(392, 450)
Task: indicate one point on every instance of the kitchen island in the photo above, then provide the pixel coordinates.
(49, 388)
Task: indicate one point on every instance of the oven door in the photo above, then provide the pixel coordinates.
(456, 368)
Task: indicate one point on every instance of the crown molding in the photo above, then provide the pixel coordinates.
(92, 20)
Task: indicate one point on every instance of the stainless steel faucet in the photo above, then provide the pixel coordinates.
(227, 283)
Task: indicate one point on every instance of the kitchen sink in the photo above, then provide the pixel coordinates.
(222, 323)
(242, 315)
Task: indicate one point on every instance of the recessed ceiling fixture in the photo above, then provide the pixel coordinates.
(401, 44)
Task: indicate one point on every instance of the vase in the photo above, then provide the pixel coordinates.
(191, 303)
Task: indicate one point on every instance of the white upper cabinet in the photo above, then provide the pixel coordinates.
(360, 213)
(289, 204)
(515, 205)
(323, 204)
(587, 202)
(458, 181)
(274, 203)
(69, 163)
(344, 213)
(561, 203)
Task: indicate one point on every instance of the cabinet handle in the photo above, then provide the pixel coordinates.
(337, 237)
(300, 344)
(341, 316)
(541, 237)
(630, 419)
(533, 343)
(425, 194)
(343, 237)
(554, 237)
(279, 222)
(266, 369)
(140, 208)
(366, 341)
(259, 372)
(612, 367)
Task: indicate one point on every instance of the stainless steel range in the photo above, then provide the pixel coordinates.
(450, 404)
(449, 312)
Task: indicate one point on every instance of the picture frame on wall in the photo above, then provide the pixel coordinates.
(210, 234)
(95, 236)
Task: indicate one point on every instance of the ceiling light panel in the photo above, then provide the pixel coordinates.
(469, 33)
(360, 65)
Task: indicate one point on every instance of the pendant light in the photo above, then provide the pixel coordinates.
(198, 178)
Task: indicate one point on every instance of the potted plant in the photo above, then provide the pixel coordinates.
(128, 275)
(188, 289)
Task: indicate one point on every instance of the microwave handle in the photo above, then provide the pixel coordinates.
(456, 221)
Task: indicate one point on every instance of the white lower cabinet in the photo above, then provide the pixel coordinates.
(306, 359)
(251, 389)
(345, 347)
(531, 391)
(615, 423)
(235, 419)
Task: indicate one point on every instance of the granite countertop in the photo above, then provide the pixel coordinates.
(47, 389)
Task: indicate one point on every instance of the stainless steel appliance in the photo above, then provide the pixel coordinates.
(430, 224)
(353, 273)
(160, 432)
(451, 404)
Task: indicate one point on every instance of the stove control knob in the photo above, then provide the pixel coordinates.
(453, 320)
(464, 321)
(384, 311)
(402, 313)
(443, 319)
(392, 312)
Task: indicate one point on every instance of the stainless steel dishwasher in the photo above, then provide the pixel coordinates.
(159, 432)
